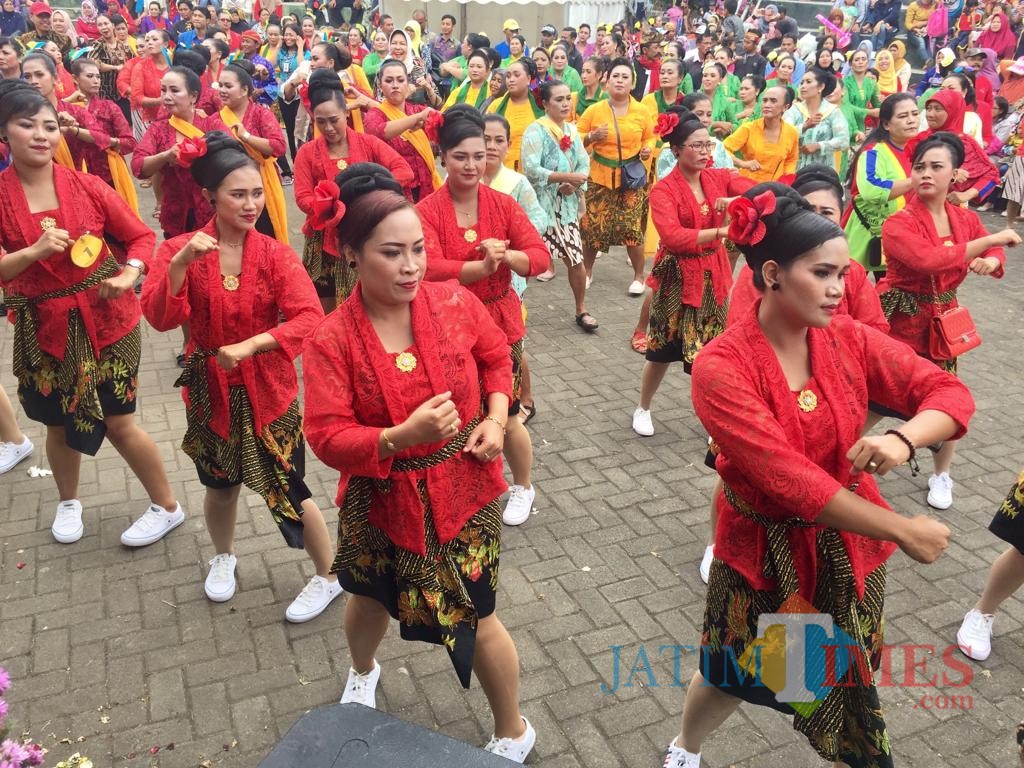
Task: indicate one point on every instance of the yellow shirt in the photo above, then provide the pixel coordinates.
(636, 128)
(519, 117)
(472, 94)
(776, 159)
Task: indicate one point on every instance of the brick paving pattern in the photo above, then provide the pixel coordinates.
(114, 651)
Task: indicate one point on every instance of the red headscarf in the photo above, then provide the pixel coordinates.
(955, 107)
(1003, 42)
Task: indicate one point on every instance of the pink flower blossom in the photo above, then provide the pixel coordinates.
(5, 680)
(13, 751)
(36, 754)
(3, 711)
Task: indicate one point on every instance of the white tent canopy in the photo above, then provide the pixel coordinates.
(488, 15)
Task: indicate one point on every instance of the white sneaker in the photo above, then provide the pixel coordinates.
(220, 581)
(636, 288)
(67, 525)
(940, 491)
(12, 453)
(975, 635)
(590, 279)
(677, 757)
(155, 523)
(515, 750)
(519, 505)
(547, 274)
(362, 689)
(313, 599)
(705, 563)
(642, 423)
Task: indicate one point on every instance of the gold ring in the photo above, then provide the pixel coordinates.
(872, 465)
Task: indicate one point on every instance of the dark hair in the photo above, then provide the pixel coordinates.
(117, 19)
(332, 52)
(702, 36)
(680, 70)
(221, 46)
(493, 57)
(731, 6)
(999, 101)
(825, 78)
(680, 49)
(451, 18)
(584, 24)
(205, 10)
(540, 49)
(494, 117)
(528, 64)
(189, 59)
(545, 88)
(757, 81)
(223, 155)
(480, 53)
(389, 63)
(192, 82)
(378, 194)
(880, 133)
(571, 31)
(166, 38)
(598, 62)
(792, 230)
(688, 124)
(48, 62)
(81, 63)
(967, 84)
(461, 122)
(816, 177)
(19, 99)
(691, 100)
(722, 71)
(621, 61)
(522, 41)
(618, 42)
(477, 40)
(325, 86)
(10, 42)
(941, 139)
(243, 69)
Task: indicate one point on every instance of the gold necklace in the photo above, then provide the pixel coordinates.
(807, 401)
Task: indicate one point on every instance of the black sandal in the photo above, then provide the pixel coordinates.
(587, 322)
(529, 410)
(180, 360)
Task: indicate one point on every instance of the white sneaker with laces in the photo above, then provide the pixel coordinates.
(519, 505)
(515, 750)
(705, 563)
(974, 637)
(313, 599)
(67, 525)
(547, 274)
(155, 523)
(940, 491)
(362, 689)
(642, 423)
(220, 581)
(636, 288)
(677, 757)
(13, 453)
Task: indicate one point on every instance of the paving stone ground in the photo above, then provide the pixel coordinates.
(114, 651)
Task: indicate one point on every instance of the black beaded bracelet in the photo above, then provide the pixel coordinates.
(911, 460)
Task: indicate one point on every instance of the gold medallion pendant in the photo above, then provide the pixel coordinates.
(47, 222)
(230, 282)
(406, 362)
(86, 250)
(471, 235)
(342, 164)
(705, 209)
(807, 401)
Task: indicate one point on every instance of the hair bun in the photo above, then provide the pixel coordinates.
(243, 64)
(361, 179)
(223, 155)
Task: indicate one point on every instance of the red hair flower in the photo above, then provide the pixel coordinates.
(303, 91)
(190, 150)
(667, 122)
(565, 143)
(746, 218)
(327, 208)
(432, 127)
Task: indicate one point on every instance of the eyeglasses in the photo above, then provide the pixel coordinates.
(701, 146)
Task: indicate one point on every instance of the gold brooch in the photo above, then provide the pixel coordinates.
(406, 362)
(471, 236)
(47, 222)
(807, 401)
(705, 209)
(342, 164)
(230, 282)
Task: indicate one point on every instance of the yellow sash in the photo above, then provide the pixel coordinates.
(122, 179)
(418, 139)
(62, 155)
(273, 190)
(185, 128)
(355, 76)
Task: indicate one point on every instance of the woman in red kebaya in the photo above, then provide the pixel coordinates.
(407, 393)
(109, 164)
(76, 333)
(147, 79)
(478, 236)
(691, 275)
(234, 284)
(801, 520)
(321, 160)
(931, 246)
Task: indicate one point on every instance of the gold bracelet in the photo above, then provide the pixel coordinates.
(387, 441)
(498, 422)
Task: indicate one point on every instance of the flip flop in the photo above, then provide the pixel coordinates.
(529, 410)
(639, 342)
(587, 322)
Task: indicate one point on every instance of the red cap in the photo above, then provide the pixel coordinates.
(40, 7)
(251, 34)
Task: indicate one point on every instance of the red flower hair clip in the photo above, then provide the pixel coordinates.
(432, 127)
(303, 91)
(565, 143)
(746, 218)
(327, 208)
(190, 150)
(667, 122)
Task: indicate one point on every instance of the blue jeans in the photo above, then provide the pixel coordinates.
(916, 43)
(882, 38)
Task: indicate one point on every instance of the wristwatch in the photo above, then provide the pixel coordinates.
(138, 264)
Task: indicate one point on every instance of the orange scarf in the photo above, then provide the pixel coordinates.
(273, 190)
(62, 155)
(122, 179)
(418, 139)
